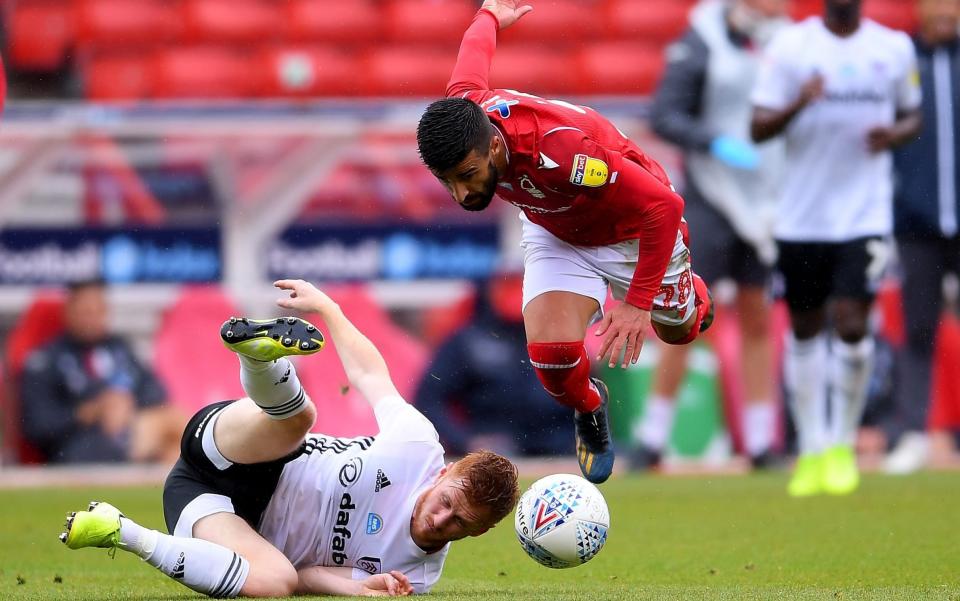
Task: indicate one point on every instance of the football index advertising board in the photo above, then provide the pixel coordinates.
(45, 256)
(379, 252)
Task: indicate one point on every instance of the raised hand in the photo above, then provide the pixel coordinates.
(305, 297)
(624, 328)
(811, 90)
(507, 12)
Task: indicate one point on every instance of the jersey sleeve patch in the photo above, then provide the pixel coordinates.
(588, 171)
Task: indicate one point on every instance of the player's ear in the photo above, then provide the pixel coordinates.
(495, 143)
(444, 471)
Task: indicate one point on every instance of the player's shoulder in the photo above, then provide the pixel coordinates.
(571, 158)
(690, 48)
(897, 39)
(797, 33)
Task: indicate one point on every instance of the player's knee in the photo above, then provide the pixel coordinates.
(851, 333)
(308, 416)
(850, 319)
(273, 580)
(676, 334)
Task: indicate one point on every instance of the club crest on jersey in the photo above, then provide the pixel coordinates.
(502, 106)
(350, 472)
(370, 565)
(527, 186)
(588, 171)
(374, 523)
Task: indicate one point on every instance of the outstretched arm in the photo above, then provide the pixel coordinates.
(320, 580)
(362, 362)
(472, 71)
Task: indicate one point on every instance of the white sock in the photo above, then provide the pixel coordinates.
(850, 369)
(273, 386)
(759, 425)
(199, 565)
(805, 374)
(657, 423)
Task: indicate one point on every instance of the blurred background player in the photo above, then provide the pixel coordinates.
(481, 374)
(843, 91)
(703, 106)
(597, 213)
(257, 507)
(87, 398)
(926, 209)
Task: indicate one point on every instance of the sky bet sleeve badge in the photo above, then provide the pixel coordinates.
(588, 171)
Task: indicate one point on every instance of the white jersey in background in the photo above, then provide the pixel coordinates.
(835, 189)
(347, 502)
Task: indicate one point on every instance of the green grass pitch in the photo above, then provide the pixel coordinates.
(671, 538)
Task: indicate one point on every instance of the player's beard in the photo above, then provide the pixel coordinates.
(482, 199)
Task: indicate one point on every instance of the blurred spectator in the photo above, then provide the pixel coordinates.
(843, 92)
(703, 106)
(926, 209)
(480, 379)
(86, 398)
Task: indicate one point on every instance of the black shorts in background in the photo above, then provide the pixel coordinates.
(249, 487)
(814, 272)
(717, 250)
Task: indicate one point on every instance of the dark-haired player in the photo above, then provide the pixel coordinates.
(597, 214)
(843, 91)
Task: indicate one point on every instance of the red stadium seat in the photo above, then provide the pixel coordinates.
(428, 20)
(113, 23)
(40, 32)
(311, 71)
(233, 21)
(205, 72)
(620, 68)
(945, 405)
(39, 324)
(534, 70)
(408, 71)
(892, 13)
(558, 22)
(117, 76)
(354, 22)
(187, 338)
(648, 20)
(801, 9)
(341, 410)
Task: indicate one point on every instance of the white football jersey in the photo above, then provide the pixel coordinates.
(347, 502)
(835, 189)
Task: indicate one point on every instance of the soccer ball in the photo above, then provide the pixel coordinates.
(562, 521)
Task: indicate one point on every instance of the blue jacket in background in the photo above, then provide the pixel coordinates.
(927, 197)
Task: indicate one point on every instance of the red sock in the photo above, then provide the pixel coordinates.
(702, 303)
(564, 370)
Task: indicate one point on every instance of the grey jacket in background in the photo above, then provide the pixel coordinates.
(704, 94)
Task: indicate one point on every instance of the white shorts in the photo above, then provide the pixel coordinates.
(550, 264)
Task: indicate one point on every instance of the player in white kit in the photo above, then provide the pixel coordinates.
(843, 91)
(258, 507)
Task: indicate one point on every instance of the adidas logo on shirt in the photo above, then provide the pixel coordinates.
(178, 568)
(382, 481)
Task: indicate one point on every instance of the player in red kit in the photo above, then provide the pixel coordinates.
(597, 213)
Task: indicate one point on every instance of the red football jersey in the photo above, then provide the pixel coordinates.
(570, 170)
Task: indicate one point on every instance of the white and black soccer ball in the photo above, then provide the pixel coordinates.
(562, 521)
